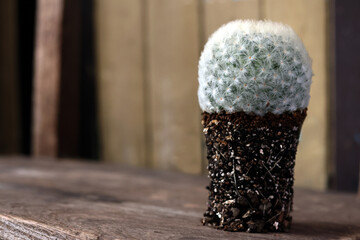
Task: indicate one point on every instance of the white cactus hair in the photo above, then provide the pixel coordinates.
(254, 66)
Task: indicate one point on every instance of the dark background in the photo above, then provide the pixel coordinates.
(78, 126)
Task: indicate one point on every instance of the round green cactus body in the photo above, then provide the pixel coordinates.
(255, 67)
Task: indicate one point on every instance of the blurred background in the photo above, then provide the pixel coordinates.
(116, 81)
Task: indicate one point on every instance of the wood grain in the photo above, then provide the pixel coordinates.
(219, 12)
(9, 98)
(119, 50)
(308, 19)
(47, 76)
(346, 89)
(18, 228)
(172, 58)
(69, 93)
(74, 200)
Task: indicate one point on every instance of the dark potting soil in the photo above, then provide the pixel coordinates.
(251, 169)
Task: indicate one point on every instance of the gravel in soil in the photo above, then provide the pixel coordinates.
(251, 169)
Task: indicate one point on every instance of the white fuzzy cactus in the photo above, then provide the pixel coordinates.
(254, 66)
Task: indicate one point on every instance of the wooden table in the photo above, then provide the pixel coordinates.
(77, 200)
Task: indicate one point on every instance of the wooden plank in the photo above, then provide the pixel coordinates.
(69, 100)
(172, 58)
(89, 127)
(119, 50)
(26, 41)
(219, 12)
(9, 102)
(347, 88)
(308, 19)
(18, 228)
(47, 77)
(126, 203)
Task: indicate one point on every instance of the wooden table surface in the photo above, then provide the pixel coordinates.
(77, 200)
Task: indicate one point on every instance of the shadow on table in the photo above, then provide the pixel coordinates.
(325, 229)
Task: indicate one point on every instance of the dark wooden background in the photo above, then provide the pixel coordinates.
(346, 91)
(330, 28)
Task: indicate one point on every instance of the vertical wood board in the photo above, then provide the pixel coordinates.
(89, 127)
(347, 98)
(173, 52)
(120, 80)
(47, 77)
(218, 12)
(308, 19)
(69, 96)
(26, 41)
(9, 102)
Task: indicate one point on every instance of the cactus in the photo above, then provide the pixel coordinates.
(256, 67)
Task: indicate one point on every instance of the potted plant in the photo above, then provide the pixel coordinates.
(254, 84)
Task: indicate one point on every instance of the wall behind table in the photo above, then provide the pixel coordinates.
(147, 53)
(10, 129)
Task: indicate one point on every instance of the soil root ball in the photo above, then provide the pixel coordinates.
(251, 169)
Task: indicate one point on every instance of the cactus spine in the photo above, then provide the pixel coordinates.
(255, 67)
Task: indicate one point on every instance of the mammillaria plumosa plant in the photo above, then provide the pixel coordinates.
(255, 67)
(254, 89)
